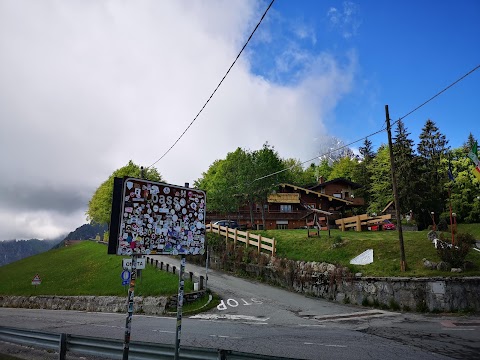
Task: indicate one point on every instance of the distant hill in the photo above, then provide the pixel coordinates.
(84, 232)
(13, 250)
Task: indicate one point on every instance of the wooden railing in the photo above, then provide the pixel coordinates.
(359, 220)
(246, 237)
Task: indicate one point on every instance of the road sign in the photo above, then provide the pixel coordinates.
(127, 263)
(156, 218)
(36, 280)
(125, 277)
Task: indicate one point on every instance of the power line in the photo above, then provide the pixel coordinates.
(438, 94)
(220, 83)
(379, 131)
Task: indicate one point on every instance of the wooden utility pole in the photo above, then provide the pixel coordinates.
(403, 263)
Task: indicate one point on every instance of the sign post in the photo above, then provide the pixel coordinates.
(128, 323)
(181, 284)
(152, 218)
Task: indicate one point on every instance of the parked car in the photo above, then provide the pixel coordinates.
(232, 224)
(388, 225)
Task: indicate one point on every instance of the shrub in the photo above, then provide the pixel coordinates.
(455, 255)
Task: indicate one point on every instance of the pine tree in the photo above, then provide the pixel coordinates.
(405, 164)
(432, 176)
(363, 173)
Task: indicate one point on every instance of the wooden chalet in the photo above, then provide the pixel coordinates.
(291, 206)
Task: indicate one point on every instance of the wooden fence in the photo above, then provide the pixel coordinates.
(361, 220)
(258, 241)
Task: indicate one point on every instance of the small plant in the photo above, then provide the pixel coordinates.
(455, 254)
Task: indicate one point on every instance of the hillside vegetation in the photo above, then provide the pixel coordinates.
(82, 269)
(295, 245)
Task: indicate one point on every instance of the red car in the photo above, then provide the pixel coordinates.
(388, 225)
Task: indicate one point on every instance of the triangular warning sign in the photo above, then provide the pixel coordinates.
(36, 280)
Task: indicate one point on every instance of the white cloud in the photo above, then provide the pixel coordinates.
(347, 20)
(87, 86)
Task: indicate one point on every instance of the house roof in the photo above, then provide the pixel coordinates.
(338, 180)
(309, 191)
(388, 205)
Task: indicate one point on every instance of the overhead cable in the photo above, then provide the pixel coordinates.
(220, 83)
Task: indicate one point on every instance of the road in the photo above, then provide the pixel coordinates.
(262, 319)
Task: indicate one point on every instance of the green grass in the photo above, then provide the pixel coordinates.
(82, 269)
(295, 245)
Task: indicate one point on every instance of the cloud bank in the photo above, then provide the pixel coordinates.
(87, 86)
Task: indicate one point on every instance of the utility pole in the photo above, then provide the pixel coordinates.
(403, 263)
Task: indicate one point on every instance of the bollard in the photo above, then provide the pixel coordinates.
(156, 263)
(174, 269)
(168, 265)
(201, 282)
(161, 265)
(191, 276)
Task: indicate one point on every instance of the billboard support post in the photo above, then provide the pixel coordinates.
(128, 323)
(181, 284)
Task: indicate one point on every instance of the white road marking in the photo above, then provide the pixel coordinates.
(165, 331)
(459, 329)
(227, 317)
(312, 325)
(225, 336)
(327, 345)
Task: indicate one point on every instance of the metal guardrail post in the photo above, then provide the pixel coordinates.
(62, 347)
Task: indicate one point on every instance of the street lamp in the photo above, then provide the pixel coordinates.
(455, 221)
(433, 221)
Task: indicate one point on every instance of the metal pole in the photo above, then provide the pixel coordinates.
(403, 263)
(179, 307)
(128, 323)
(206, 271)
(451, 217)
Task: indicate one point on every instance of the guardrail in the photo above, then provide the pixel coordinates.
(113, 348)
(245, 237)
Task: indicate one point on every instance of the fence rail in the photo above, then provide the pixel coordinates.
(361, 220)
(113, 348)
(259, 241)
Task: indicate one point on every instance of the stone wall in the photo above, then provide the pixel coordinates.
(143, 305)
(443, 294)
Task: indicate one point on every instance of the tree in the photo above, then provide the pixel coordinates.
(298, 175)
(345, 167)
(406, 167)
(382, 191)
(431, 149)
(324, 170)
(270, 171)
(100, 205)
(363, 174)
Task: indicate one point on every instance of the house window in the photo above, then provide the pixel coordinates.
(337, 195)
(282, 226)
(286, 208)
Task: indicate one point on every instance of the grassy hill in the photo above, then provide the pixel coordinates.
(82, 269)
(295, 245)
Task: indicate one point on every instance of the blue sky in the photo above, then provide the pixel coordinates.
(404, 53)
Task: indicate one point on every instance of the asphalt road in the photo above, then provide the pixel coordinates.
(257, 318)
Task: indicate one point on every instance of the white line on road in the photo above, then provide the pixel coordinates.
(459, 329)
(227, 317)
(165, 331)
(312, 325)
(328, 345)
(225, 336)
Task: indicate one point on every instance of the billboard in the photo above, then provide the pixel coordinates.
(151, 218)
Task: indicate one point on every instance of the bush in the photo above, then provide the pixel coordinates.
(455, 254)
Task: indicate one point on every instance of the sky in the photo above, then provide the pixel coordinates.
(86, 86)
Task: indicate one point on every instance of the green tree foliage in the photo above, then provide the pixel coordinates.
(346, 168)
(363, 174)
(465, 190)
(406, 169)
(266, 161)
(431, 149)
(226, 182)
(100, 205)
(324, 170)
(381, 181)
(298, 175)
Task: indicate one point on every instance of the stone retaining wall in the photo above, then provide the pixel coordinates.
(443, 294)
(145, 305)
